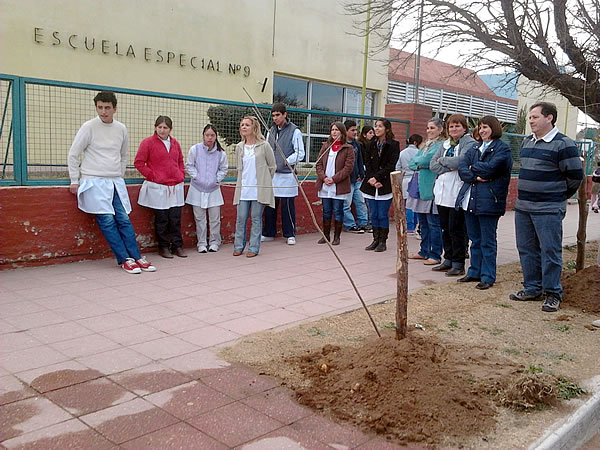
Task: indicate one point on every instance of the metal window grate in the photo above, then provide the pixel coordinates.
(449, 102)
(55, 110)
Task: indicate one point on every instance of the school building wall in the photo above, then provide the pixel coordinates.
(206, 49)
(187, 47)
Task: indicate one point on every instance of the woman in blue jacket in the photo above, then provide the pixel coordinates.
(422, 204)
(485, 170)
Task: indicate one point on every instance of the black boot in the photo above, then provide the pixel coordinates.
(337, 231)
(383, 235)
(373, 245)
(326, 230)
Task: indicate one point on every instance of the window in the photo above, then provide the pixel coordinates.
(305, 94)
(354, 100)
(326, 97)
(290, 91)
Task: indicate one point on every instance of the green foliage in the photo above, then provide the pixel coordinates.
(534, 369)
(227, 118)
(388, 325)
(570, 265)
(562, 328)
(521, 124)
(503, 305)
(453, 324)
(567, 390)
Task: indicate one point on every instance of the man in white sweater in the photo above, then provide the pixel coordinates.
(97, 161)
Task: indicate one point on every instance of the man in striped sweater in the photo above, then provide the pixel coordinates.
(550, 173)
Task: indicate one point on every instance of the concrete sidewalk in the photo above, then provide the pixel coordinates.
(93, 357)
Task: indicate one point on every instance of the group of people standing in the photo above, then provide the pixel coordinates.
(455, 187)
(262, 173)
(349, 171)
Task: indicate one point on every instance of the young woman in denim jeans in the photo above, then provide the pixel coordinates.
(380, 160)
(334, 166)
(431, 233)
(254, 189)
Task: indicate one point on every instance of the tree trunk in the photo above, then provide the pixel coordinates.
(582, 227)
(401, 256)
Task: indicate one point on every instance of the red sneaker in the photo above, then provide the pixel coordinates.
(145, 265)
(130, 266)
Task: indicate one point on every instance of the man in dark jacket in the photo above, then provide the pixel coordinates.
(550, 173)
(356, 177)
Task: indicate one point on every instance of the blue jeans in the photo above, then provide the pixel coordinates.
(380, 210)
(539, 241)
(484, 247)
(118, 232)
(288, 218)
(362, 216)
(335, 206)
(255, 210)
(431, 236)
(412, 220)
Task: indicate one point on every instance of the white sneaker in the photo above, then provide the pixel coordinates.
(213, 248)
(292, 240)
(266, 238)
(202, 249)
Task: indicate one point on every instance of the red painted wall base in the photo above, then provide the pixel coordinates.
(42, 225)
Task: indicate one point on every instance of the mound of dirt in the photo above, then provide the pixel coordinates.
(416, 390)
(581, 290)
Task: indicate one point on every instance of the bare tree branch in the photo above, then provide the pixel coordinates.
(553, 42)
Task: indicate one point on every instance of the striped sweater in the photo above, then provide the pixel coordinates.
(550, 173)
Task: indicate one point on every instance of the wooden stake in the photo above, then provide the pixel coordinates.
(582, 226)
(401, 256)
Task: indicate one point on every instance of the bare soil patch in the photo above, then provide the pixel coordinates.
(478, 371)
(582, 290)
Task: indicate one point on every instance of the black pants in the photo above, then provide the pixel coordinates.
(454, 235)
(167, 223)
(288, 218)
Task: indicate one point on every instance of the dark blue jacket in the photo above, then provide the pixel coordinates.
(359, 167)
(494, 165)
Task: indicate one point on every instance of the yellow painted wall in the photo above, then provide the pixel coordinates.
(531, 92)
(313, 39)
